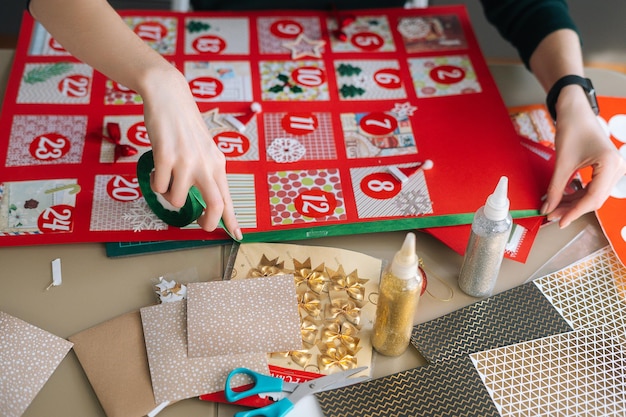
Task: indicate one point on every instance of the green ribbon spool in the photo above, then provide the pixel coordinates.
(194, 205)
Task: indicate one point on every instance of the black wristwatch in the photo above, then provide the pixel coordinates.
(585, 83)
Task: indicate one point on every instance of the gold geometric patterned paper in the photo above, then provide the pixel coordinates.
(580, 373)
(590, 292)
(450, 388)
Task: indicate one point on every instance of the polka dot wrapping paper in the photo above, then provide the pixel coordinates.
(252, 316)
(28, 357)
(175, 376)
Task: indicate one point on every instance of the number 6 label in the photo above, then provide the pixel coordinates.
(315, 203)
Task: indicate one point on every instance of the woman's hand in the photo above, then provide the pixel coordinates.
(184, 152)
(580, 142)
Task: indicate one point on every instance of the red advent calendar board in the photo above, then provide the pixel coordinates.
(351, 105)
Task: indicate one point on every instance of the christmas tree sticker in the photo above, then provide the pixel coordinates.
(195, 26)
(349, 90)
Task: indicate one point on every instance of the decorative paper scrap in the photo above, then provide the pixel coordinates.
(235, 317)
(174, 375)
(333, 287)
(29, 356)
(589, 293)
(576, 373)
(516, 315)
(113, 356)
(450, 388)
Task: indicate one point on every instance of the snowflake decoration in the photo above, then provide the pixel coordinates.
(141, 217)
(403, 111)
(169, 291)
(286, 150)
(414, 203)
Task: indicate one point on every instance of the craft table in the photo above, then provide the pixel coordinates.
(96, 288)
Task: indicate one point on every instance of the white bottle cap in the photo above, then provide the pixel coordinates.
(405, 261)
(497, 206)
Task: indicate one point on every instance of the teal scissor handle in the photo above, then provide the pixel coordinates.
(277, 409)
(261, 384)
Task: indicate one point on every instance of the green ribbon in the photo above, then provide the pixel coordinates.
(192, 209)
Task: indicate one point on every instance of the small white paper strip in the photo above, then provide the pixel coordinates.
(57, 278)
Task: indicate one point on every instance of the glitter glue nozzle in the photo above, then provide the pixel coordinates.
(405, 261)
(497, 205)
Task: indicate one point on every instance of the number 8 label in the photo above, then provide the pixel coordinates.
(380, 185)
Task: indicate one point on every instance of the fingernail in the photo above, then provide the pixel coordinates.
(544, 208)
(238, 234)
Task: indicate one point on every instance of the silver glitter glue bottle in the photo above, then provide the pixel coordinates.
(491, 229)
(398, 296)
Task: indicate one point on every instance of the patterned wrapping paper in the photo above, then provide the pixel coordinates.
(28, 357)
(449, 388)
(578, 373)
(589, 293)
(174, 375)
(516, 315)
(234, 317)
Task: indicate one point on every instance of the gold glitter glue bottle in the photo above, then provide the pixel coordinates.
(491, 229)
(398, 296)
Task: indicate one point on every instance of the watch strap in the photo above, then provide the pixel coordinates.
(585, 83)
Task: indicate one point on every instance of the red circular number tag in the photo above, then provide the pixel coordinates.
(56, 219)
(76, 86)
(367, 41)
(315, 203)
(123, 188)
(209, 44)
(56, 46)
(447, 74)
(286, 29)
(309, 76)
(151, 31)
(380, 185)
(388, 78)
(299, 123)
(138, 134)
(206, 88)
(378, 124)
(232, 143)
(50, 146)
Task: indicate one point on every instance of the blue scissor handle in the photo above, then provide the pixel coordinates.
(277, 409)
(261, 384)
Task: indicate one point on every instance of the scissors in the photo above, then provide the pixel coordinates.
(269, 384)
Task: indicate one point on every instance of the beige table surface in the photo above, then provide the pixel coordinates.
(96, 288)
